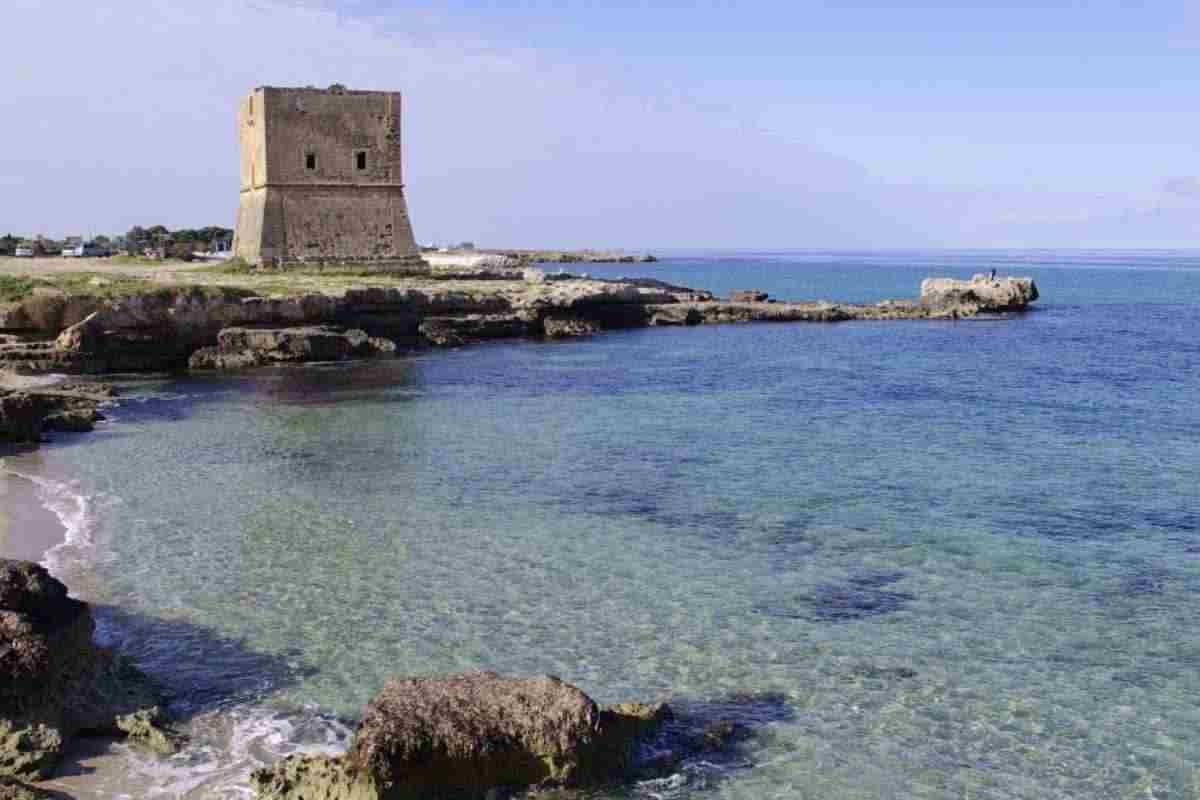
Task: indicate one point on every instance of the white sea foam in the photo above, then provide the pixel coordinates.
(76, 511)
(225, 747)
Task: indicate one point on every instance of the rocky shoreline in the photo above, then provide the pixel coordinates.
(472, 736)
(199, 328)
(57, 684)
(476, 735)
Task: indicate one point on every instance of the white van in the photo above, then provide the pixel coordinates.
(90, 250)
(23, 251)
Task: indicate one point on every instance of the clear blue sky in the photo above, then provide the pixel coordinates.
(770, 124)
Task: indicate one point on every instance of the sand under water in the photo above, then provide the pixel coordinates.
(918, 560)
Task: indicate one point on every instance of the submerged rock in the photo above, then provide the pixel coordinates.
(983, 291)
(247, 347)
(464, 735)
(56, 683)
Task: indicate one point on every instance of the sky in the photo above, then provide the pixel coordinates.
(760, 125)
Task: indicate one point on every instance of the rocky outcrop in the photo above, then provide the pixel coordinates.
(22, 416)
(455, 331)
(677, 314)
(56, 683)
(28, 413)
(248, 347)
(46, 310)
(464, 735)
(982, 291)
(12, 789)
(161, 330)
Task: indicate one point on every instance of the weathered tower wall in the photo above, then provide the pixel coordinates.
(321, 179)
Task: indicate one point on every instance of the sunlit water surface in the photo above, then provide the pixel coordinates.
(919, 560)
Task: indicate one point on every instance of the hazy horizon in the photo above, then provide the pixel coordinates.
(768, 126)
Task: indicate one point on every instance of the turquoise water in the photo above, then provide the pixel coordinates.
(917, 560)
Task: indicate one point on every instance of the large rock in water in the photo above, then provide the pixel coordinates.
(22, 416)
(25, 414)
(983, 291)
(464, 735)
(55, 683)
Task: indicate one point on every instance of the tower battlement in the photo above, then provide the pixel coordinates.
(322, 179)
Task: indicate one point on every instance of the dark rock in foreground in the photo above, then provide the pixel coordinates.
(12, 789)
(464, 735)
(22, 416)
(56, 683)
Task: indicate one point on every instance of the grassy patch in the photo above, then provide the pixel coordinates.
(236, 266)
(108, 286)
(97, 285)
(233, 266)
(142, 261)
(14, 287)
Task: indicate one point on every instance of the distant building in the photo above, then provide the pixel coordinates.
(321, 178)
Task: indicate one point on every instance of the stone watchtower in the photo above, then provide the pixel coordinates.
(321, 179)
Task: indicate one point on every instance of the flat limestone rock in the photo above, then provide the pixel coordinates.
(464, 735)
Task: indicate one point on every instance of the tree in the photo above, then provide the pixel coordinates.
(182, 251)
(136, 239)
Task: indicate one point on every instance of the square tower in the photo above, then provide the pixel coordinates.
(321, 179)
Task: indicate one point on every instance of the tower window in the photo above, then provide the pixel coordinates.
(310, 161)
(360, 160)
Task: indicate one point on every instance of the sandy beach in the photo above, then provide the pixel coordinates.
(27, 528)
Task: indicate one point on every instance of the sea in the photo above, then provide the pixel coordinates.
(909, 559)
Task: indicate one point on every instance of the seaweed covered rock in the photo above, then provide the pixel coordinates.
(464, 735)
(55, 682)
(565, 327)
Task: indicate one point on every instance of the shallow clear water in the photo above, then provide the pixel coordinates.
(932, 560)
